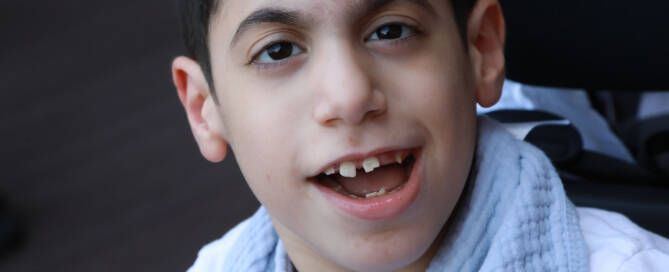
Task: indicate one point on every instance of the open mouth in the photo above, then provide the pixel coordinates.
(379, 187)
(371, 177)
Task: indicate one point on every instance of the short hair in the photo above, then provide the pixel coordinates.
(196, 17)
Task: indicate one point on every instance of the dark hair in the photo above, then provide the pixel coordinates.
(196, 16)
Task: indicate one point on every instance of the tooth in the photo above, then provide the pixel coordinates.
(330, 171)
(398, 157)
(370, 164)
(379, 193)
(354, 196)
(347, 169)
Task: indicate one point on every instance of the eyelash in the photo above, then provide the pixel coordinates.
(415, 31)
(391, 42)
(270, 65)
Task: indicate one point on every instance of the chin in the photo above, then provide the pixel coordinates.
(384, 251)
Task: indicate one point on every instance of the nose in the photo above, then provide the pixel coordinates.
(345, 92)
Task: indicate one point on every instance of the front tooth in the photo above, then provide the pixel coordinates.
(398, 157)
(330, 171)
(370, 164)
(347, 169)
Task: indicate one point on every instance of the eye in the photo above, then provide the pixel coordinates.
(393, 31)
(277, 52)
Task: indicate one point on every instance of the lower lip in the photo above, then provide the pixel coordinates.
(381, 207)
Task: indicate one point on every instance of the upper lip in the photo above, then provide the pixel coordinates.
(357, 156)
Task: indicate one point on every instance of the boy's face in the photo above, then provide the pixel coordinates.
(305, 85)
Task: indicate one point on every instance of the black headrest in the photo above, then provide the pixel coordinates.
(591, 44)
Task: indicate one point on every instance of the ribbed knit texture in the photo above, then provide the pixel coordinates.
(515, 215)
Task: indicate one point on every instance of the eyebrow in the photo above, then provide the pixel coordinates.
(269, 15)
(367, 7)
(275, 15)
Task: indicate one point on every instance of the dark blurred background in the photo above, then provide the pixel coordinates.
(98, 165)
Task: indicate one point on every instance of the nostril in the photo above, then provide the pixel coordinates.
(352, 106)
(324, 113)
(376, 113)
(377, 105)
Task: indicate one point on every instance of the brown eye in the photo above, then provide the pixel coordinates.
(280, 51)
(277, 52)
(389, 32)
(392, 31)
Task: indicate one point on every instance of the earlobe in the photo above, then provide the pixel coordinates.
(486, 36)
(203, 118)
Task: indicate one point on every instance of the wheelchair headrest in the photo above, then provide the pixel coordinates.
(594, 44)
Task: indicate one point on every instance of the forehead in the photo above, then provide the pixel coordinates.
(236, 9)
(231, 13)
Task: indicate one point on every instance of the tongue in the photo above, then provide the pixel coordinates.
(388, 177)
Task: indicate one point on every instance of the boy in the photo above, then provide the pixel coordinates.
(354, 123)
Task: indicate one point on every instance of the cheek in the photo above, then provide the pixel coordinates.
(439, 95)
(264, 124)
(260, 135)
(446, 104)
(433, 86)
(435, 79)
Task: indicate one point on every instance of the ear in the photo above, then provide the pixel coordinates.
(203, 117)
(486, 34)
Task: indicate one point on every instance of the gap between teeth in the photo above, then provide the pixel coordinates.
(348, 169)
